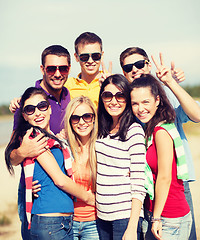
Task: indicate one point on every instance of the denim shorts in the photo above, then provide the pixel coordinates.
(85, 230)
(54, 228)
(172, 228)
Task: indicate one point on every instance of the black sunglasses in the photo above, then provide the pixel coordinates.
(30, 109)
(108, 96)
(87, 117)
(84, 57)
(139, 65)
(63, 69)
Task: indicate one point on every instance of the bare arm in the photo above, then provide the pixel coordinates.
(131, 231)
(164, 148)
(50, 165)
(189, 105)
(28, 148)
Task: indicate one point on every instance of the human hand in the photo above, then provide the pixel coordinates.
(157, 229)
(91, 198)
(32, 147)
(105, 73)
(14, 104)
(36, 188)
(61, 134)
(163, 73)
(129, 235)
(177, 73)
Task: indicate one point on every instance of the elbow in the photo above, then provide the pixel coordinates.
(59, 182)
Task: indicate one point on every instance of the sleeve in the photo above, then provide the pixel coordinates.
(137, 165)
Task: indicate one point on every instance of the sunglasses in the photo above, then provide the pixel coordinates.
(139, 65)
(30, 109)
(108, 96)
(63, 69)
(87, 117)
(84, 57)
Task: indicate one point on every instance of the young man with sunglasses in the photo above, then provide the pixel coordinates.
(135, 62)
(89, 54)
(55, 68)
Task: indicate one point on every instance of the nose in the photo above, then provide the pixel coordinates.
(90, 59)
(81, 121)
(114, 100)
(37, 111)
(140, 108)
(134, 69)
(57, 73)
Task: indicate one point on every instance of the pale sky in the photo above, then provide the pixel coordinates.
(29, 26)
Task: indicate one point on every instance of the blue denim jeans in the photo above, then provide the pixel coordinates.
(112, 230)
(54, 228)
(188, 197)
(22, 213)
(85, 230)
(172, 228)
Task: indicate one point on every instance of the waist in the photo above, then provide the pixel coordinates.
(55, 214)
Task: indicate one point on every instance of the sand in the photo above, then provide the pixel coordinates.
(9, 186)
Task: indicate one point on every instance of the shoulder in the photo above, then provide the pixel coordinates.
(135, 128)
(70, 82)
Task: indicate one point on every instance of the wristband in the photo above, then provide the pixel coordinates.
(155, 219)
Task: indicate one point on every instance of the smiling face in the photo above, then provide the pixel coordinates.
(83, 128)
(144, 104)
(114, 107)
(38, 118)
(91, 67)
(136, 73)
(56, 81)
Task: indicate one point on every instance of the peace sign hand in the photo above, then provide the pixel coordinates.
(105, 73)
(163, 73)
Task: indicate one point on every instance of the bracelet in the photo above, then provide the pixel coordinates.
(155, 219)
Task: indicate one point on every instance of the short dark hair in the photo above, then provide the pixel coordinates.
(57, 50)
(104, 119)
(87, 38)
(165, 111)
(130, 51)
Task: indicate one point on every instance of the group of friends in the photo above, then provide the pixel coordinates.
(103, 156)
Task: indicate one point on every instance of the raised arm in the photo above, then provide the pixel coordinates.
(170, 78)
(49, 164)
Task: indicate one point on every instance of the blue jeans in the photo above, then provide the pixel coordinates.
(112, 230)
(22, 213)
(54, 228)
(85, 230)
(172, 228)
(188, 197)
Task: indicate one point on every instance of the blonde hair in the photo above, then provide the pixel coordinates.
(73, 138)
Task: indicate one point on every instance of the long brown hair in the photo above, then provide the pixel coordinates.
(165, 111)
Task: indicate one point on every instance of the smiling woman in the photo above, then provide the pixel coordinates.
(54, 206)
(81, 130)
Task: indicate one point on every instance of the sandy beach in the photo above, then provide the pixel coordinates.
(9, 185)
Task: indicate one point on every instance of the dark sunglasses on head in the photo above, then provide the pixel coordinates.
(108, 96)
(84, 57)
(30, 109)
(63, 69)
(139, 65)
(87, 117)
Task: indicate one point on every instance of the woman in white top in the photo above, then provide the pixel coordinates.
(120, 152)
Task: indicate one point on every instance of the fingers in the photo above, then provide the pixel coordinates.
(110, 67)
(161, 58)
(36, 188)
(155, 62)
(172, 66)
(14, 104)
